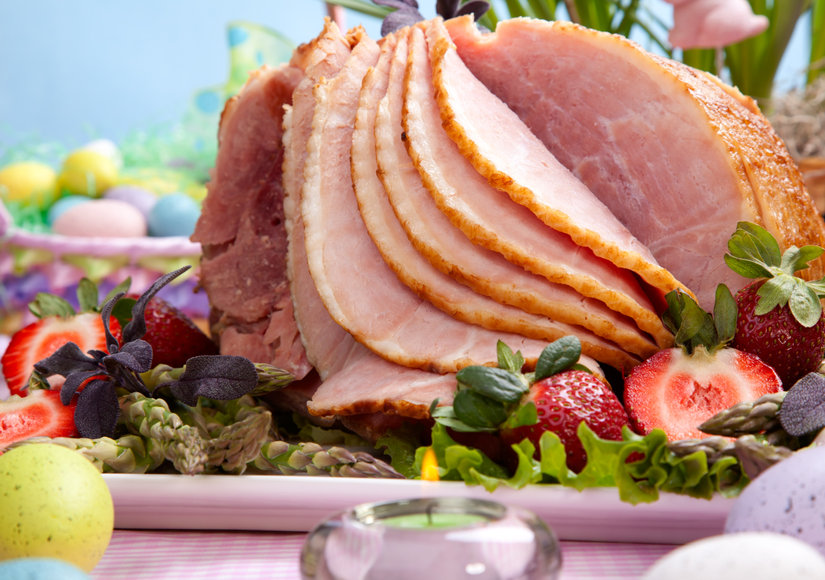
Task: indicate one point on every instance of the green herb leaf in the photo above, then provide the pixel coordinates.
(558, 356)
(795, 259)
(804, 304)
(525, 414)
(87, 296)
(725, 313)
(50, 305)
(497, 384)
(507, 359)
(477, 410)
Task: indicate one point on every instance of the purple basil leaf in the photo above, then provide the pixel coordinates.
(400, 19)
(137, 326)
(220, 377)
(66, 359)
(105, 314)
(399, 4)
(73, 382)
(446, 8)
(97, 410)
(803, 408)
(475, 7)
(135, 356)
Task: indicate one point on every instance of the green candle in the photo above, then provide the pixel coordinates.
(432, 520)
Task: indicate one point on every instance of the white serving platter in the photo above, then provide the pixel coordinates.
(299, 503)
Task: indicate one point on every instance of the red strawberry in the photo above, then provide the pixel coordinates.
(777, 337)
(173, 335)
(562, 402)
(780, 315)
(40, 413)
(676, 392)
(43, 337)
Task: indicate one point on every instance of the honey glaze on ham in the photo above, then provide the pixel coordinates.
(677, 156)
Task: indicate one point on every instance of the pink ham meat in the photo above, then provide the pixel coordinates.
(377, 149)
(242, 217)
(493, 221)
(676, 156)
(359, 386)
(359, 290)
(516, 162)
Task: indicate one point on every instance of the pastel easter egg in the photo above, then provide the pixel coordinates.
(107, 148)
(86, 172)
(139, 197)
(788, 498)
(174, 215)
(740, 556)
(62, 204)
(29, 183)
(107, 218)
(53, 504)
(40, 569)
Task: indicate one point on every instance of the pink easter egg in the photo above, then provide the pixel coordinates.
(107, 218)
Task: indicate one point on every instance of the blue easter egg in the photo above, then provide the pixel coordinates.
(40, 569)
(174, 215)
(59, 207)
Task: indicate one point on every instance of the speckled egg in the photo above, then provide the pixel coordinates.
(174, 215)
(742, 556)
(87, 172)
(788, 498)
(40, 569)
(29, 183)
(61, 205)
(107, 218)
(53, 504)
(139, 197)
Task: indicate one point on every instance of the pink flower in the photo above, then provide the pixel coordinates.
(713, 23)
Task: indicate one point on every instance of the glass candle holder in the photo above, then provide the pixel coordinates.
(432, 538)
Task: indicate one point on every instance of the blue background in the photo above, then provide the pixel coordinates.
(75, 70)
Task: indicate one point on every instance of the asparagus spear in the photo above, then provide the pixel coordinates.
(313, 459)
(126, 454)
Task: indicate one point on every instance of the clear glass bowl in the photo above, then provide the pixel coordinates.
(432, 538)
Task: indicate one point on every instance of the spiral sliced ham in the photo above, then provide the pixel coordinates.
(676, 156)
(345, 227)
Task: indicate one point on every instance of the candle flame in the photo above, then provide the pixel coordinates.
(429, 466)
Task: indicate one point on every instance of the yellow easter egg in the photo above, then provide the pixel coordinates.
(53, 504)
(87, 172)
(29, 183)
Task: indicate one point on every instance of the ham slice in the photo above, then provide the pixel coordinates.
(361, 293)
(513, 160)
(358, 384)
(242, 217)
(378, 150)
(465, 194)
(676, 156)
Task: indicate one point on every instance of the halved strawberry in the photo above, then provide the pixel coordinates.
(677, 389)
(38, 414)
(43, 337)
(676, 392)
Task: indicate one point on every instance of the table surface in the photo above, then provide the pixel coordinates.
(195, 555)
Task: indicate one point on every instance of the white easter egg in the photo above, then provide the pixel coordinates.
(741, 556)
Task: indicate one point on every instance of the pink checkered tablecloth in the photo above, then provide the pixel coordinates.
(196, 555)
